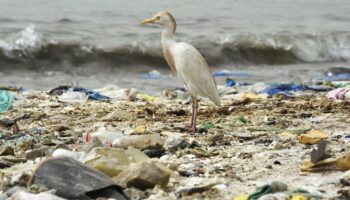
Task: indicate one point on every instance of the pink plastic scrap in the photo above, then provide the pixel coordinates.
(337, 93)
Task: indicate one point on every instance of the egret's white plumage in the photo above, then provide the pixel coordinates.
(194, 72)
(187, 63)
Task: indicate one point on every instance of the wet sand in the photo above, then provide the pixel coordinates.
(99, 76)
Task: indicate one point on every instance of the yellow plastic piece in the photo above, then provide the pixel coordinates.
(241, 197)
(249, 96)
(299, 197)
(146, 97)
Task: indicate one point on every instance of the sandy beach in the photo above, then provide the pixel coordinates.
(237, 148)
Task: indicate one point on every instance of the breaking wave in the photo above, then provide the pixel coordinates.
(31, 48)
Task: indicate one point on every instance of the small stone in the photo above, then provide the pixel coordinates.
(154, 153)
(175, 142)
(47, 141)
(7, 151)
(269, 167)
(139, 130)
(275, 145)
(5, 164)
(62, 146)
(276, 162)
(35, 153)
(6, 123)
(134, 193)
(196, 189)
(200, 152)
(10, 192)
(143, 175)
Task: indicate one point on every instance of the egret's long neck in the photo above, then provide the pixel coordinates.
(167, 37)
(167, 41)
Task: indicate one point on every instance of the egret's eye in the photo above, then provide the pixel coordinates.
(158, 18)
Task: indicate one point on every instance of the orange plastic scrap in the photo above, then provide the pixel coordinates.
(343, 162)
(312, 137)
(310, 166)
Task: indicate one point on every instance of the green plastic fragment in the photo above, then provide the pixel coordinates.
(6, 100)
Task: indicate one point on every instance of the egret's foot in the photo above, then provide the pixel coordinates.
(191, 128)
(187, 129)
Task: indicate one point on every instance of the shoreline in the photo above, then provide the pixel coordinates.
(129, 77)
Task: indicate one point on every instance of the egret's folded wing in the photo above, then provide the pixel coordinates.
(194, 71)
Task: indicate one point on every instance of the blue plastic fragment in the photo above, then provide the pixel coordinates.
(91, 94)
(230, 73)
(347, 138)
(150, 75)
(290, 87)
(230, 82)
(338, 77)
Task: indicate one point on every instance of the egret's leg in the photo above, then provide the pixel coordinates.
(195, 105)
(192, 102)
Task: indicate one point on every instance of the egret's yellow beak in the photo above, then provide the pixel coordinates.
(148, 21)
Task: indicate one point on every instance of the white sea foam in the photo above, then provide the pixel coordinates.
(23, 43)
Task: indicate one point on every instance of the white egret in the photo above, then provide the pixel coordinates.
(187, 63)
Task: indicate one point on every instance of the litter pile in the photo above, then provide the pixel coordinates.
(267, 141)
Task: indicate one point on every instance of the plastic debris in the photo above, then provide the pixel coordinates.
(154, 74)
(112, 161)
(91, 94)
(240, 120)
(322, 161)
(345, 178)
(258, 136)
(175, 142)
(6, 100)
(267, 189)
(196, 189)
(343, 162)
(290, 87)
(116, 93)
(338, 73)
(17, 175)
(105, 136)
(231, 73)
(23, 195)
(230, 82)
(339, 93)
(149, 141)
(299, 197)
(241, 197)
(116, 139)
(312, 137)
(118, 114)
(73, 97)
(249, 95)
(287, 135)
(143, 175)
(59, 90)
(13, 89)
(145, 97)
(177, 93)
(139, 130)
(208, 125)
(319, 153)
(347, 138)
(73, 180)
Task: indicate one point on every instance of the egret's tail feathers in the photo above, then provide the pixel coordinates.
(216, 100)
(217, 103)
